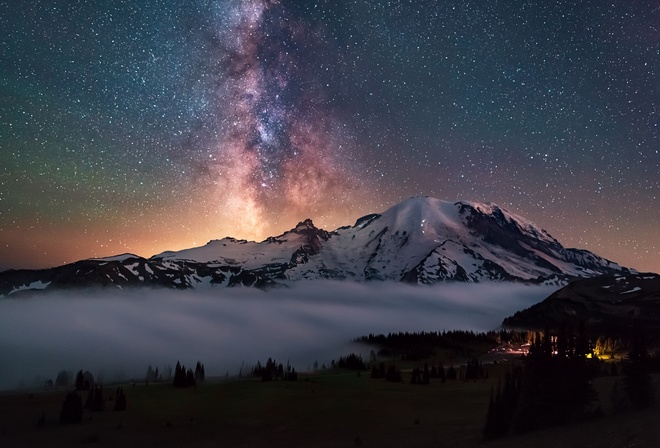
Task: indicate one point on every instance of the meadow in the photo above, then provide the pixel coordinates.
(334, 408)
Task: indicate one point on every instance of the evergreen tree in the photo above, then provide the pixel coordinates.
(199, 373)
(393, 374)
(72, 409)
(182, 377)
(179, 376)
(490, 430)
(554, 390)
(291, 375)
(636, 378)
(502, 405)
(562, 343)
(151, 375)
(94, 400)
(190, 379)
(426, 375)
(379, 371)
(63, 378)
(352, 361)
(120, 400)
(553, 387)
(80, 380)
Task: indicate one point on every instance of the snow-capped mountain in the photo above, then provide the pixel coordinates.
(421, 240)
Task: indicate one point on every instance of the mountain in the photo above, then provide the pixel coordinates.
(420, 241)
(622, 304)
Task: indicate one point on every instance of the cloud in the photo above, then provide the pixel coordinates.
(117, 334)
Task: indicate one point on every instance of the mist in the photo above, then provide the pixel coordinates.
(117, 334)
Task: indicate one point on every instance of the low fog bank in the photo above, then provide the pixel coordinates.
(116, 334)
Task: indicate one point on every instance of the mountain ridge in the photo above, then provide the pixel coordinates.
(620, 304)
(421, 240)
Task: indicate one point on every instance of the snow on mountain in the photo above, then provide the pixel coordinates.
(121, 257)
(422, 240)
(252, 255)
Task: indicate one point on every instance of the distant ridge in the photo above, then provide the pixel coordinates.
(621, 304)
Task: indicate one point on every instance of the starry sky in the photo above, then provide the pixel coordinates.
(154, 125)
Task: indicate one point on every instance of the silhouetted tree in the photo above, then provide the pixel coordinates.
(200, 375)
(378, 371)
(152, 375)
(474, 370)
(636, 378)
(72, 409)
(502, 405)
(94, 400)
(190, 379)
(426, 374)
(554, 389)
(182, 377)
(120, 400)
(393, 374)
(352, 361)
(441, 373)
(291, 375)
(63, 378)
(80, 380)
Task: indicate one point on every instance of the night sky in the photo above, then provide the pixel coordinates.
(154, 125)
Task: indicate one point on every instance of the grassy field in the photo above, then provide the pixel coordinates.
(332, 409)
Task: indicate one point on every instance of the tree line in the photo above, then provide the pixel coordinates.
(553, 386)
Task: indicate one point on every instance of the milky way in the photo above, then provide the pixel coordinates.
(278, 151)
(146, 126)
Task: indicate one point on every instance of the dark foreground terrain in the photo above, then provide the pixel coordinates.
(331, 409)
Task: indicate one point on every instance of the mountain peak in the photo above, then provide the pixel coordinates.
(307, 223)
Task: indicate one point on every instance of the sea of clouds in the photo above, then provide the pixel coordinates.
(117, 334)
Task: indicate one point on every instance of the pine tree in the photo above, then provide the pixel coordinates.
(80, 380)
(62, 379)
(190, 379)
(94, 400)
(72, 409)
(199, 373)
(554, 389)
(183, 377)
(636, 378)
(393, 374)
(120, 400)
